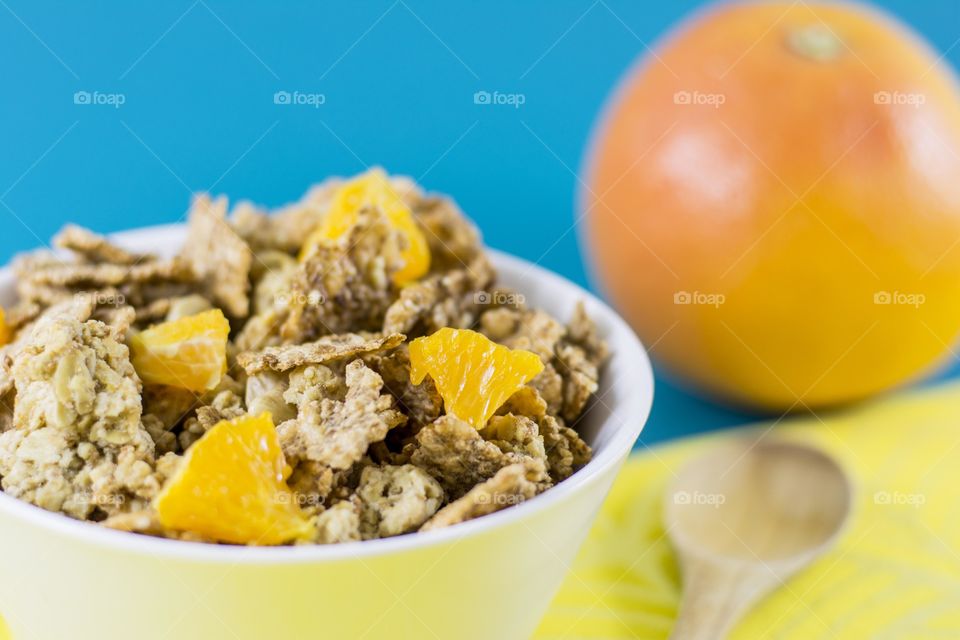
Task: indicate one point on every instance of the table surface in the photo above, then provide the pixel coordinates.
(115, 112)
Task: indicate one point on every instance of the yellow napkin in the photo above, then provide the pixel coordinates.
(895, 573)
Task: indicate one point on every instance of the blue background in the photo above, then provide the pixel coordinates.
(198, 79)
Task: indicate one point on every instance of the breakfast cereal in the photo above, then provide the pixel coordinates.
(342, 369)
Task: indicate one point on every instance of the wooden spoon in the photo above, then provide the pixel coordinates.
(743, 519)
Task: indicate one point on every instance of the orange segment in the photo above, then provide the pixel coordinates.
(6, 333)
(190, 353)
(231, 487)
(373, 189)
(473, 374)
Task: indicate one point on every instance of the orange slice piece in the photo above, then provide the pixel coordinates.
(6, 333)
(231, 487)
(473, 374)
(373, 189)
(190, 353)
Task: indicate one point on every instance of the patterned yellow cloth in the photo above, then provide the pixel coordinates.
(894, 574)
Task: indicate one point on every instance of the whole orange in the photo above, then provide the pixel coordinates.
(773, 201)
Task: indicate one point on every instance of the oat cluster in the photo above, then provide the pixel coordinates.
(318, 338)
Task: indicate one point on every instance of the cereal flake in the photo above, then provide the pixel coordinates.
(323, 350)
(219, 257)
(337, 433)
(510, 486)
(396, 500)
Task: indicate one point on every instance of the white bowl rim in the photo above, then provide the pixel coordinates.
(636, 409)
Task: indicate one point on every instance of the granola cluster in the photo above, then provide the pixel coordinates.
(319, 338)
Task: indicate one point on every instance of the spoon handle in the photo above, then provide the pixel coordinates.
(714, 597)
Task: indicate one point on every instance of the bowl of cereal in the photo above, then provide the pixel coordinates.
(346, 418)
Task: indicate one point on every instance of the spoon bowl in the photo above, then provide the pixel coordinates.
(745, 517)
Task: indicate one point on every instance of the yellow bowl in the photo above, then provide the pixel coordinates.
(489, 578)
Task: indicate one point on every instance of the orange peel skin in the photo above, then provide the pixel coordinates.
(373, 189)
(231, 487)
(190, 353)
(473, 374)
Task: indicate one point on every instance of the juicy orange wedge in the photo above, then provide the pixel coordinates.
(473, 374)
(190, 353)
(6, 334)
(373, 189)
(231, 487)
